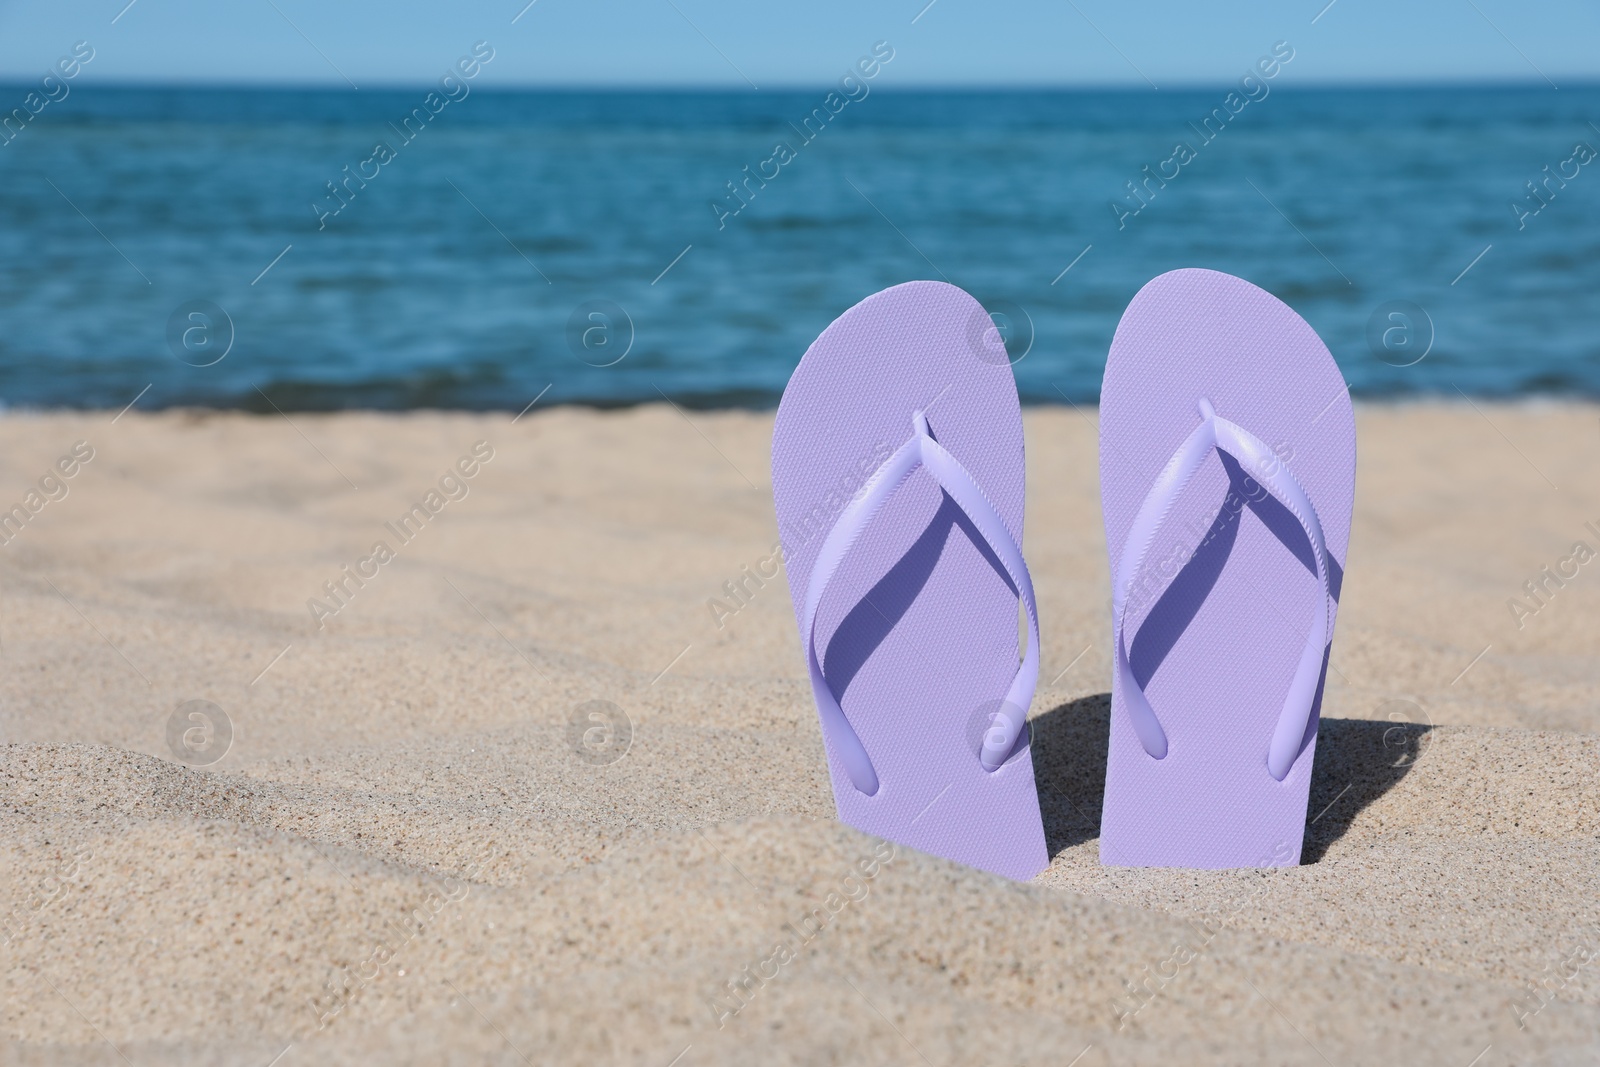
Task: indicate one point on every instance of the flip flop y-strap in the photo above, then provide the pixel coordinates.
(1215, 432)
(921, 451)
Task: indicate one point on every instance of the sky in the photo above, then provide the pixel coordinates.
(743, 45)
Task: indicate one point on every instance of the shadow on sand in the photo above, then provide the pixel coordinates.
(1358, 760)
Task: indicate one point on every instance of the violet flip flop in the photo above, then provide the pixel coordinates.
(1227, 478)
(897, 473)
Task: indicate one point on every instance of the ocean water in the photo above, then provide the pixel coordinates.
(181, 245)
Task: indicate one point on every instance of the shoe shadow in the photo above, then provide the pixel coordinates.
(881, 608)
(1186, 591)
(1069, 769)
(1358, 760)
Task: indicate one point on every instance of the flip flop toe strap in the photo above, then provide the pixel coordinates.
(1217, 433)
(920, 451)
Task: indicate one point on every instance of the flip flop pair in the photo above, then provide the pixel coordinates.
(1227, 462)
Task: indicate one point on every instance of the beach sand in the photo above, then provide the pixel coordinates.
(404, 855)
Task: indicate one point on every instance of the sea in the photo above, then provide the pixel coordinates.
(324, 249)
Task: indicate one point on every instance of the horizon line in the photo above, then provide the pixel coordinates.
(1591, 81)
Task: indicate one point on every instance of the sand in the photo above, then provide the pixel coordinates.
(404, 856)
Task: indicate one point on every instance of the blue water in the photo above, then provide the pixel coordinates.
(453, 277)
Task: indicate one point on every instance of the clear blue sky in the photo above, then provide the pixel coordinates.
(723, 43)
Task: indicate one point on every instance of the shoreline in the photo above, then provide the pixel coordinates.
(1400, 400)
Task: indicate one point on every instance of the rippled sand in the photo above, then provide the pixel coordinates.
(409, 854)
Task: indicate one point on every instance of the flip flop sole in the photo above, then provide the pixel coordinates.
(1217, 618)
(918, 630)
